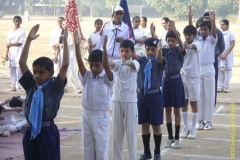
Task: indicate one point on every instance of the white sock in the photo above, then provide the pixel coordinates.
(185, 119)
(194, 121)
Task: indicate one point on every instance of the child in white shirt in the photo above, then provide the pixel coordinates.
(94, 36)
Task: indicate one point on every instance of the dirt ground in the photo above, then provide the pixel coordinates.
(215, 144)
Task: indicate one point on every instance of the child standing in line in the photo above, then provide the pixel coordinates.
(125, 113)
(15, 40)
(208, 41)
(226, 58)
(144, 27)
(150, 103)
(140, 36)
(97, 88)
(190, 74)
(44, 92)
(94, 36)
(173, 90)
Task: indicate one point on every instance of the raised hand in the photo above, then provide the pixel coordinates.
(33, 32)
(159, 46)
(77, 39)
(152, 28)
(190, 11)
(212, 16)
(105, 41)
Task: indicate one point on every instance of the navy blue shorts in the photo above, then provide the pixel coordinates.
(46, 146)
(173, 93)
(150, 108)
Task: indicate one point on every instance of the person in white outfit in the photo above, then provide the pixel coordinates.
(57, 45)
(144, 27)
(226, 58)
(94, 36)
(13, 116)
(162, 33)
(116, 32)
(208, 41)
(125, 112)
(140, 37)
(96, 95)
(15, 40)
(190, 74)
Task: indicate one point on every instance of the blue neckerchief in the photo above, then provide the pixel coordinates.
(36, 111)
(148, 74)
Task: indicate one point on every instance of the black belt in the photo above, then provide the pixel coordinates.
(171, 77)
(44, 124)
(148, 91)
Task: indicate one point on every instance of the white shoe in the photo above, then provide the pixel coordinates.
(176, 144)
(192, 134)
(169, 143)
(184, 133)
(220, 89)
(208, 126)
(7, 134)
(201, 125)
(226, 90)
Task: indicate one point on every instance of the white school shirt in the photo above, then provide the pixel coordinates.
(125, 86)
(112, 31)
(94, 38)
(228, 37)
(56, 33)
(207, 53)
(191, 63)
(138, 47)
(15, 52)
(96, 94)
(147, 32)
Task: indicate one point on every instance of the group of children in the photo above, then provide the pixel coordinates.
(140, 85)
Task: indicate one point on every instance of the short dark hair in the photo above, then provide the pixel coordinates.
(225, 21)
(127, 44)
(17, 17)
(98, 20)
(171, 34)
(135, 17)
(199, 21)
(166, 19)
(15, 102)
(44, 62)
(190, 29)
(63, 19)
(95, 56)
(144, 18)
(1, 108)
(206, 23)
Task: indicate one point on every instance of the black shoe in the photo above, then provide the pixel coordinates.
(157, 157)
(145, 156)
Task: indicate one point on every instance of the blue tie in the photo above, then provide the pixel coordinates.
(148, 74)
(36, 110)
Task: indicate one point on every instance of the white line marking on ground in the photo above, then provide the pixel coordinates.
(218, 110)
(220, 139)
(200, 156)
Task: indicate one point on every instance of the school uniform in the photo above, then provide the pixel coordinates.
(207, 79)
(150, 103)
(14, 54)
(47, 143)
(94, 38)
(112, 31)
(225, 65)
(138, 47)
(190, 72)
(162, 38)
(146, 31)
(173, 90)
(125, 112)
(96, 96)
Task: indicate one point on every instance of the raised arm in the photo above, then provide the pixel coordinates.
(212, 19)
(106, 66)
(159, 55)
(190, 14)
(153, 30)
(178, 37)
(65, 61)
(24, 56)
(77, 42)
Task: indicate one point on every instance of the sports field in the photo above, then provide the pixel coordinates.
(222, 142)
